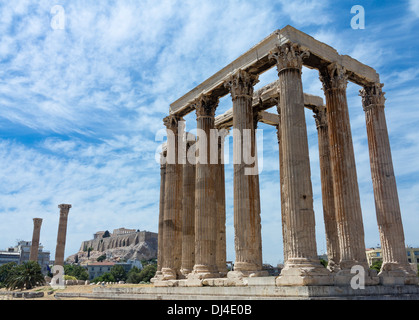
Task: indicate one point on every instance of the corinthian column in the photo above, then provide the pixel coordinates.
(281, 182)
(33, 256)
(395, 268)
(332, 238)
(205, 196)
(221, 250)
(160, 248)
(62, 234)
(188, 214)
(302, 266)
(172, 223)
(345, 182)
(247, 224)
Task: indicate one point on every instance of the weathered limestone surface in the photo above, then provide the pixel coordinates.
(205, 197)
(33, 255)
(160, 255)
(247, 224)
(172, 230)
(345, 183)
(188, 216)
(142, 245)
(302, 266)
(395, 268)
(332, 236)
(62, 234)
(221, 245)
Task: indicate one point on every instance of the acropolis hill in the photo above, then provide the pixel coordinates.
(120, 244)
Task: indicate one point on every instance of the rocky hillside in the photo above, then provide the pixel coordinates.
(138, 245)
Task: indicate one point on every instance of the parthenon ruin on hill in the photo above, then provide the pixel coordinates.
(192, 242)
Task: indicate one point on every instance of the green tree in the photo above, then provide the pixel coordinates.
(5, 270)
(134, 275)
(27, 275)
(79, 272)
(119, 272)
(377, 265)
(106, 234)
(324, 263)
(106, 277)
(148, 272)
(101, 258)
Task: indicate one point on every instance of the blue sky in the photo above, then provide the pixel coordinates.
(81, 107)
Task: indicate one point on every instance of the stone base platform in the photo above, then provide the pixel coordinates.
(256, 289)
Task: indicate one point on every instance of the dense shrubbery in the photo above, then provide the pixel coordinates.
(136, 276)
(24, 276)
(78, 272)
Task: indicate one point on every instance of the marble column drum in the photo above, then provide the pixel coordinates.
(188, 214)
(345, 182)
(281, 183)
(329, 214)
(62, 234)
(205, 195)
(160, 249)
(172, 223)
(37, 223)
(221, 249)
(302, 266)
(247, 221)
(395, 268)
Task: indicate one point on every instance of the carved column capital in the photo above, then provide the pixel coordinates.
(205, 106)
(256, 118)
(241, 84)
(64, 209)
(333, 77)
(288, 56)
(171, 122)
(320, 116)
(37, 222)
(372, 96)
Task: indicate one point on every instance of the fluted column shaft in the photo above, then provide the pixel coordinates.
(281, 183)
(345, 183)
(205, 195)
(62, 234)
(302, 266)
(384, 182)
(221, 250)
(188, 216)
(33, 256)
(247, 222)
(172, 224)
(160, 254)
(332, 237)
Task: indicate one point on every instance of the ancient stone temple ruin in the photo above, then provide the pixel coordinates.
(192, 242)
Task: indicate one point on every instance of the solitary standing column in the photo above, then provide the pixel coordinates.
(247, 224)
(332, 237)
(172, 224)
(221, 250)
(160, 248)
(33, 256)
(303, 265)
(345, 183)
(188, 213)
(395, 268)
(62, 234)
(205, 196)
